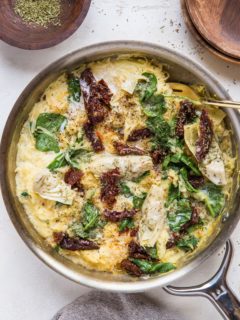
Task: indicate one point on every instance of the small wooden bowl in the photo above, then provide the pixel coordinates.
(201, 40)
(218, 23)
(18, 33)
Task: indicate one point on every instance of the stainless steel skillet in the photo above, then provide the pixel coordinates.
(181, 69)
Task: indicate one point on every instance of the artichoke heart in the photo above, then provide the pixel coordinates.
(212, 166)
(154, 216)
(129, 166)
(51, 187)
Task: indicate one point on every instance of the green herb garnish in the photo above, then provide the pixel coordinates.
(25, 194)
(125, 224)
(188, 243)
(74, 89)
(141, 177)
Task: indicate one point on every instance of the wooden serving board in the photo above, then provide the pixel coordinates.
(218, 22)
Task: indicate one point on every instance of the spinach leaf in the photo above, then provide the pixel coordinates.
(125, 190)
(184, 175)
(46, 142)
(58, 162)
(52, 122)
(75, 156)
(163, 267)
(173, 194)
(141, 177)
(144, 265)
(152, 251)
(90, 216)
(89, 222)
(125, 224)
(74, 89)
(181, 215)
(190, 163)
(154, 106)
(153, 267)
(188, 243)
(181, 158)
(138, 200)
(213, 198)
(146, 88)
(71, 157)
(78, 230)
(194, 227)
(47, 125)
(161, 130)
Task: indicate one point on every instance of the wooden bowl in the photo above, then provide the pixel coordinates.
(218, 23)
(18, 33)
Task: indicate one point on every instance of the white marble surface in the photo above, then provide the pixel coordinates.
(29, 290)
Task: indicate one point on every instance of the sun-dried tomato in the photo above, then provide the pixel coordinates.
(173, 240)
(131, 268)
(194, 220)
(105, 94)
(158, 155)
(139, 134)
(115, 216)
(186, 114)
(97, 96)
(76, 243)
(196, 181)
(124, 149)
(58, 236)
(138, 252)
(73, 177)
(206, 134)
(95, 140)
(134, 232)
(110, 188)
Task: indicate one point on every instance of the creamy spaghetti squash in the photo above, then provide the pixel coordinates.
(120, 170)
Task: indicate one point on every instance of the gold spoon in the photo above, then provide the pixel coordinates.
(182, 90)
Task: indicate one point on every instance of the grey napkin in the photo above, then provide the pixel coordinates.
(113, 306)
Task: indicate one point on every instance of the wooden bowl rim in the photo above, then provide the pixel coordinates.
(207, 36)
(201, 39)
(66, 33)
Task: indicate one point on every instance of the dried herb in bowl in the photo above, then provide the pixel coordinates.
(40, 12)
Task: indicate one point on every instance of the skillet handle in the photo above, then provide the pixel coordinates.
(215, 289)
